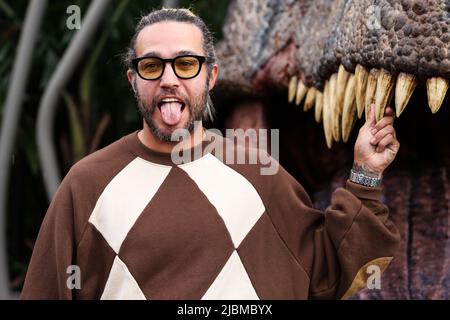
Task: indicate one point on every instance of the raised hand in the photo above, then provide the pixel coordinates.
(376, 145)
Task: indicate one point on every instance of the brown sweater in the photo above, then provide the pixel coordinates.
(140, 227)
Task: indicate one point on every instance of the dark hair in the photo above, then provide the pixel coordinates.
(178, 15)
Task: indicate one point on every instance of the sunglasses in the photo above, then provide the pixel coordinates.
(184, 67)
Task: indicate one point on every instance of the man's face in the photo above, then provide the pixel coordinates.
(168, 40)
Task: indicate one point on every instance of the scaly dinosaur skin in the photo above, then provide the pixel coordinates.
(398, 36)
(405, 45)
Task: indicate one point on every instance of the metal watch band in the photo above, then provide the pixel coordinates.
(361, 178)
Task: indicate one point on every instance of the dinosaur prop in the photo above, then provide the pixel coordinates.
(312, 68)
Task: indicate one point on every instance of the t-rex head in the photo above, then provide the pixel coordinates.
(338, 56)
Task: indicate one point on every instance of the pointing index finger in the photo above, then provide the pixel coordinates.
(370, 121)
(389, 112)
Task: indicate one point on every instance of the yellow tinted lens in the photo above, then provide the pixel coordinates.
(186, 67)
(150, 68)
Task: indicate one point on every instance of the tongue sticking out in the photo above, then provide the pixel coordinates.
(171, 113)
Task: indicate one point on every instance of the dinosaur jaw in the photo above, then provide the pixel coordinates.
(346, 96)
(337, 57)
(325, 55)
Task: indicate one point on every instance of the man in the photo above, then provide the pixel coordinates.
(129, 223)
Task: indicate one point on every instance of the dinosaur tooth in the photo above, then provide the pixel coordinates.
(292, 88)
(335, 123)
(310, 99)
(436, 89)
(301, 92)
(406, 83)
(361, 75)
(342, 78)
(349, 110)
(371, 89)
(326, 114)
(319, 106)
(385, 83)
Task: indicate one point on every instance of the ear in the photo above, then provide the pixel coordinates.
(131, 76)
(213, 77)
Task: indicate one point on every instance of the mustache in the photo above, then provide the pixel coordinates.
(151, 105)
(171, 92)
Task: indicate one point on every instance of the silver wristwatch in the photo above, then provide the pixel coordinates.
(365, 180)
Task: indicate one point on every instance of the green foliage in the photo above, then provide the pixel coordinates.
(96, 107)
(76, 128)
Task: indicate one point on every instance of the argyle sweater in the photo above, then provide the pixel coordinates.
(140, 227)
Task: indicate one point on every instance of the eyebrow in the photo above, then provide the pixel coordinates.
(178, 53)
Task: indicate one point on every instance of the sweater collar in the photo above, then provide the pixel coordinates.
(167, 158)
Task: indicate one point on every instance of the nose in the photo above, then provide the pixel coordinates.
(169, 78)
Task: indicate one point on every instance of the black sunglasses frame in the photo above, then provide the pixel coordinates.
(135, 63)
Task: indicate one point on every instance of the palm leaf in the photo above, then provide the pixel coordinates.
(76, 131)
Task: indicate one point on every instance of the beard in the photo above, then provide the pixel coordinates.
(196, 107)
